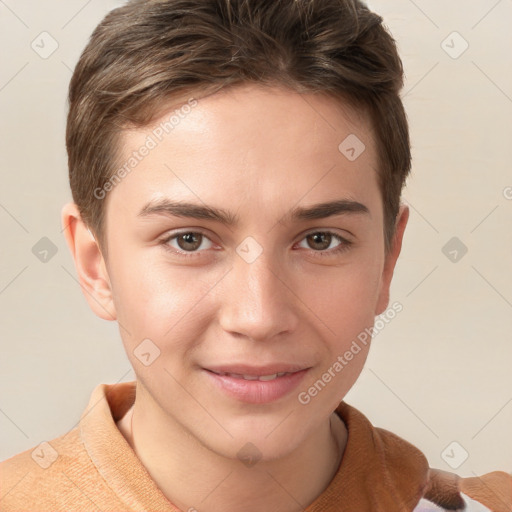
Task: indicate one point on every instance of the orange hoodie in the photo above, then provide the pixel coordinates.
(93, 468)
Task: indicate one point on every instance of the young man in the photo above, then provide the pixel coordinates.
(236, 169)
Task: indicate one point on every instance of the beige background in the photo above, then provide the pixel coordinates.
(439, 372)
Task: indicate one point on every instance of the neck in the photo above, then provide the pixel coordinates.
(290, 484)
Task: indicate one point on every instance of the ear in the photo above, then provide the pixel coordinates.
(391, 258)
(89, 262)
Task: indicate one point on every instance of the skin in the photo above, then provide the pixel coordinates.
(257, 153)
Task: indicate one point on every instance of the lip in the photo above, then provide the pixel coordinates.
(246, 369)
(256, 391)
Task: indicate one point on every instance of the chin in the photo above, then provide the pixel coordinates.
(252, 450)
(259, 441)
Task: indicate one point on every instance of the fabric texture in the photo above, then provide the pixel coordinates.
(469, 505)
(92, 468)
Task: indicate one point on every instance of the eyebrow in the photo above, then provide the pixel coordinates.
(196, 211)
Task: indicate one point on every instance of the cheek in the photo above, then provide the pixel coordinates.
(345, 298)
(154, 299)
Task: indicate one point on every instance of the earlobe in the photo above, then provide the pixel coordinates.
(391, 259)
(89, 263)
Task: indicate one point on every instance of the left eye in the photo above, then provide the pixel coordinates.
(321, 241)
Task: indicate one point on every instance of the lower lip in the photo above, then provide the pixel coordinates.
(258, 391)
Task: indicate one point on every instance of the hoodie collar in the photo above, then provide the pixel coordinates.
(378, 472)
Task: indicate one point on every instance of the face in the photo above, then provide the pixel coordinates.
(271, 283)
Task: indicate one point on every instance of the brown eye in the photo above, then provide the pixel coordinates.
(189, 241)
(319, 241)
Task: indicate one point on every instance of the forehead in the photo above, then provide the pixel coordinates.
(249, 142)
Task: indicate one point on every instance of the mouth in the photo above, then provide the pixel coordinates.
(257, 385)
(263, 378)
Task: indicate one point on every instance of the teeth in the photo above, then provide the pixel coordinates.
(268, 377)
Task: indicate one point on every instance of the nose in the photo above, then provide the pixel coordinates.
(259, 301)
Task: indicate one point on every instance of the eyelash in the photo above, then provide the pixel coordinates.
(342, 247)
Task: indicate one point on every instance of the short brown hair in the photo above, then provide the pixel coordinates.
(148, 51)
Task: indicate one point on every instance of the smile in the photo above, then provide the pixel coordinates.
(256, 386)
(263, 378)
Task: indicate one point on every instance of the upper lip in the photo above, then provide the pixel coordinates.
(245, 369)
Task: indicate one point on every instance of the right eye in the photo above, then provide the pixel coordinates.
(186, 243)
